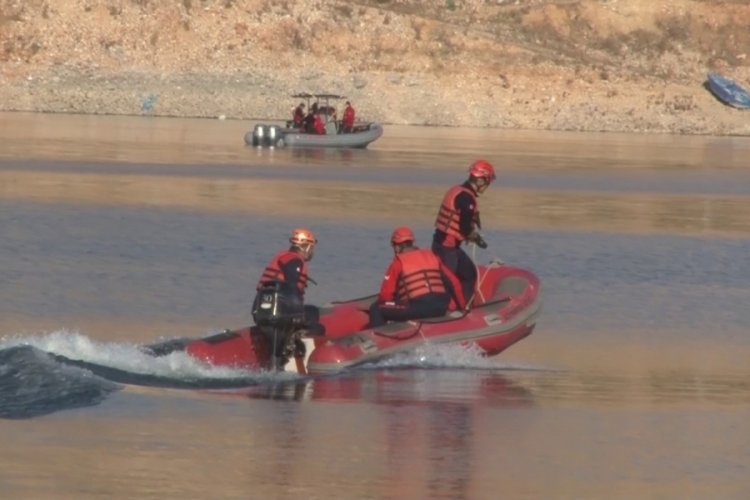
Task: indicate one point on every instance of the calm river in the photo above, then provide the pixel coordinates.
(116, 231)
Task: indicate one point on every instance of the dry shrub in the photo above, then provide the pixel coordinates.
(682, 103)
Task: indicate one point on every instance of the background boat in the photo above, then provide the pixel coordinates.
(361, 135)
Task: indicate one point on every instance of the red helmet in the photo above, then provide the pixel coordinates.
(482, 169)
(302, 236)
(401, 235)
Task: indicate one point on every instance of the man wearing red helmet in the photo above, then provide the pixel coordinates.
(416, 284)
(458, 221)
(290, 267)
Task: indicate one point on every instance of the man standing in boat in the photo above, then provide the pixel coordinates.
(416, 284)
(347, 121)
(290, 267)
(458, 221)
(309, 122)
(298, 116)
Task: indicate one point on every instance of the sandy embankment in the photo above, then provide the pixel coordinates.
(632, 66)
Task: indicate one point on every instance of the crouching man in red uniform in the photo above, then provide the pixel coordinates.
(416, 284)
(290, 266)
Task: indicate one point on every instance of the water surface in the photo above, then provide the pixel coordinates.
(121, 230)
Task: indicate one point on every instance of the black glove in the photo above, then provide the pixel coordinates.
(480, 241)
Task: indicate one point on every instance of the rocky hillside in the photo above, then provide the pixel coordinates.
(615, 65)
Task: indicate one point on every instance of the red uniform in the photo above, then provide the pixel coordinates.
(348, 119)
(287, 266)
(415, 273)
(318, 125)
(299, 117)
(456, 220)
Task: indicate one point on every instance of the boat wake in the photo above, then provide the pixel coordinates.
(32, 383)
(445, 356)
(48, 372)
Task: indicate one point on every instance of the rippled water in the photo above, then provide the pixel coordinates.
(117, 231)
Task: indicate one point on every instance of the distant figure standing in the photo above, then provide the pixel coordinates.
(331, 121)
(309, 122)
(347, 122)
(298, 118)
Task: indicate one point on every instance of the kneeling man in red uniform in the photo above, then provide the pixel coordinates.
(290, 266)
(416, 284)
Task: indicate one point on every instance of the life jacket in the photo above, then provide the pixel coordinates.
(448, 218)
(318, 125)
(420, 275)
(348, 118)
(273, 270)
(299, 117)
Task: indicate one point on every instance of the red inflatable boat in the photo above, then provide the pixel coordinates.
(504, 311)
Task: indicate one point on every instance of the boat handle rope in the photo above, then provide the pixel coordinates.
(480, 279)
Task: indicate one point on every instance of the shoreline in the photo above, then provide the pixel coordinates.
(632, 66)
(618, 107)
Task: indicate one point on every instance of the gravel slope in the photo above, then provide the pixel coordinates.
(596, 65)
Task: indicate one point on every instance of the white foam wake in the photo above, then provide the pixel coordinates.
(449, 356)
(125, 356)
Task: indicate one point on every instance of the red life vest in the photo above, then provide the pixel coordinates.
(298, 117)
(348, 119)
(273, 270)
(448, 217)
(420, 275)
(318, 125)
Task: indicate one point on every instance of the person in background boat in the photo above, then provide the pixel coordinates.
(319, 126)
(309, 123)
(290, 266)
(331, 121)
(458, 221)
(347, 121)
(416, 284)
(298, 117)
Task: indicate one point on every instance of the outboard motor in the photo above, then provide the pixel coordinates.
(274, 135)
(260, 138)
(279, 314)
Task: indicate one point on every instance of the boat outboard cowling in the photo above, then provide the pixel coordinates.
(267, 136)
(274, 135)
(277, 304)
(259, 135)
(279, 313)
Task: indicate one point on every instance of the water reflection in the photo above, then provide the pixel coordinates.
(174, 140)
(427, 428)
(651, 331)
(403, 387)
(640, 212)
(345, 156)
(653, 388)
(454, 389)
